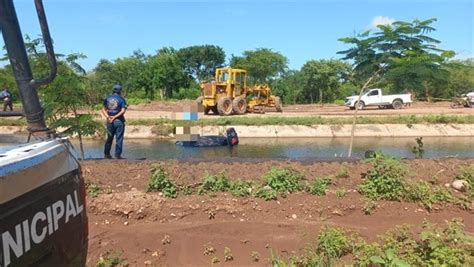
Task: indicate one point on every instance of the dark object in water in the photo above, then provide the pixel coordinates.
(369, 154)
(231, 139)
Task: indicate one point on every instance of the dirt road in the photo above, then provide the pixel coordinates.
(147, 228)
(159, 109)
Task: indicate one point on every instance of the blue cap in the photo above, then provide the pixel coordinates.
(117, 89)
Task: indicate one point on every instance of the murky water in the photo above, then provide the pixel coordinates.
(289, 148)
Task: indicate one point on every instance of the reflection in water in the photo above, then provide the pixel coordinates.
(290, 148)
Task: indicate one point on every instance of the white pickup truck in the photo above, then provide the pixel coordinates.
(374, 97)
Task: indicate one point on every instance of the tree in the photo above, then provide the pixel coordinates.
(461, 78)
(288, 87)
(165, 71)
(322, 79)
(401, 55)
(262, 64)
(200, 61)
(127, 71)
(393, 50)
(65, 98)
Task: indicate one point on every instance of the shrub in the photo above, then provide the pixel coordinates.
(241, 188)
(267, 193)
(214, 183)
(386, 179)
(111, 260)
(425, 194)
(159, 182)
(320, 185)
(284, 180)
(343, 172)
(333, 243)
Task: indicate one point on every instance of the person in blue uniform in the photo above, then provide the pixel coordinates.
(114, 108)
(6, 96)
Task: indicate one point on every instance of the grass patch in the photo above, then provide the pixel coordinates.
(12, 122)
(313, 120)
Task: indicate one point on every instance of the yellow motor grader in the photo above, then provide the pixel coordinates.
(228, 93)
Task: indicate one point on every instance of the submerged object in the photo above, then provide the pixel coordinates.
(230, 139)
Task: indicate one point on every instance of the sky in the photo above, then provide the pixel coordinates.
(300, 30)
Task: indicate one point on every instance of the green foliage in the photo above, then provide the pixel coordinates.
(200, 61)
(369, 206)
(214, 183)
(186, 93)
(363, 252)
(446, 247)
(340, 193)
(333, 242)
(467, 174)
(262, 64)
(220, 183)
(159, 181)
(111, 260)
(322, 79)
(343, 172)
(386, 179)
(418, 150)
(435, 246)
(400, 56)
(422, 192)
(284, 180)
(241, 188)
(267, 193)
(320, 185)
(165, 72)
(389, 259)
(93, 189)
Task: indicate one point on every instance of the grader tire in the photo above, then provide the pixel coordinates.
(278, 105)
(239, 105)
(224, 106)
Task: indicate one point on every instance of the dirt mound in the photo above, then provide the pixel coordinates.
(195, 230)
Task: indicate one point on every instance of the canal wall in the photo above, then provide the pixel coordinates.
(282, 131)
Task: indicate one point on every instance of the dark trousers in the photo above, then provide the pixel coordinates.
(116, 128)
(7, 104)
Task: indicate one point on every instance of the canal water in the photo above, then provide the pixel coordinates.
(277, 148)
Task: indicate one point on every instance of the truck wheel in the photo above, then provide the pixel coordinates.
(224, 106)
(239, 105)
(278, 105)
(397, 104)
(360, 105)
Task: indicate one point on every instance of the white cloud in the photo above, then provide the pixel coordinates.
(381, 20)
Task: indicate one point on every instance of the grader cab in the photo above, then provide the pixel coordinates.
(226, 93)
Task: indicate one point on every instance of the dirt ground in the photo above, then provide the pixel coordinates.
(162, 109)
(149, 229)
